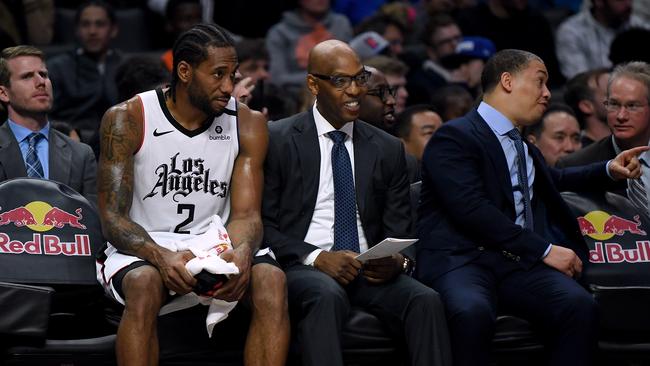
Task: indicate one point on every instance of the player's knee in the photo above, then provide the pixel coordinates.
(269, 287)
(143, 289)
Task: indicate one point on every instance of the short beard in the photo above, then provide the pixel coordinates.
(199, 100)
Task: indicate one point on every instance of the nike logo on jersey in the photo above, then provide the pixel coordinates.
(156, 133)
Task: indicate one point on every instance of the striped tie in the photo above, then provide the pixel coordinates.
(637, 194)
(522, 177)
(32, 163)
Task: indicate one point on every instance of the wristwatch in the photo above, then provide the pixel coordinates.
(408, 265)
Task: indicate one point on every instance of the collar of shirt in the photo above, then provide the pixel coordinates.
(617, 149)
(323, 126)
(22, 132)
(499, 123)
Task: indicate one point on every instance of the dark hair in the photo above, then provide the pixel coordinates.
(537, 128)
(508, 60)
(251, 49)
(110, 12)
(172, 5)
(443, 95)
(192, 47)
(13, 52)
(387, 65)
(629, 46)
(137, 74)
(403, 120)
(435, 22)
(378, 23)
(578, 89)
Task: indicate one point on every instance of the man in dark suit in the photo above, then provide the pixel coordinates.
(29, 147)
(493, 227)
(335, 186)
(628, 85)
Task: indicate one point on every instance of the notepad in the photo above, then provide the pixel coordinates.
(386, 248)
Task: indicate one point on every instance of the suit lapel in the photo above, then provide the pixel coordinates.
(60, 158)
(305, 140)
(11, 159)
(364, 163)
(495, 153)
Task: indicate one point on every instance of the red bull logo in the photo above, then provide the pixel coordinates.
(40, 217)
(601, 226)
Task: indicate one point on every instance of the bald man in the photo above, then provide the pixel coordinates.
(335, 186)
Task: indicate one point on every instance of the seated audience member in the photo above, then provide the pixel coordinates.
(139, 73)
(354, 194)
(628, 116)
(395, 72)
(583, 40)
(585, 94)
(495, 234)
(389, 29)
(369, 44)
(378, 109)
(180, 15)
(84, 78)
(162, 128)
(467, 62)
(254, 72)
(29, 146)
(452, 101)
(556, 135)
(290, 40)
(415, 126)
(66, 129)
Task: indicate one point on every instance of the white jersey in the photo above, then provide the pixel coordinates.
(181, 177)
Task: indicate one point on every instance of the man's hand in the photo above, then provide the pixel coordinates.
(243, 89)
(175, 276)
(564, 260)
(626, 165)
(339, 265)
(237, 285)
(381, 270)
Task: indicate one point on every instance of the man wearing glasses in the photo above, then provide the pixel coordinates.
(628, 116)
(334, 186)
(378, 105)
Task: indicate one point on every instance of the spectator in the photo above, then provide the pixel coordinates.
(26, 22)
(556, 135)
(66, 129)
(441, 38)
(514, 24)
(466, 63)
(628, 116)
(139, 73)
(389, 29)
(254, 72)
(395, 73)
(452, 101)
(317, 235)
(585, 94)
(415, 126)
(290, 40)
(626, 46)
(583, 39)
(180, 15)
(369, 44)
(84, 78)
(29, 146)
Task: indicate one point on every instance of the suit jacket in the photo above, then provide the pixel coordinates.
(602, 150)
(71, 163)
(467, 206)
(292, 177)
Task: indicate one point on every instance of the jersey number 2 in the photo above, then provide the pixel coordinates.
(190, 217)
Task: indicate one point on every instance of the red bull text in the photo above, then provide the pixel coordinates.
(601, 226)
(47, 245)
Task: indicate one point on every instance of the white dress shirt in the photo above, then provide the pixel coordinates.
(321, 228)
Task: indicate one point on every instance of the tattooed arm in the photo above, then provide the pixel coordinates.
(245, 223)
(121, 134)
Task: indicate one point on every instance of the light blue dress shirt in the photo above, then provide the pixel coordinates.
(42, 147)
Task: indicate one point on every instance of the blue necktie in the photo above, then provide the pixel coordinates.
(522, 177)
(346, 236)
(32, 163)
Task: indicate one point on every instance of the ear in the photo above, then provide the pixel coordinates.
(4, 94)
(184, 71)
(586, 106)
(506, 81)
(312, 84)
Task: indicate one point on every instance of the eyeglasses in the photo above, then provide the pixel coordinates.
(344, 81)
(383, 92)
(632, 107)
(452, 39)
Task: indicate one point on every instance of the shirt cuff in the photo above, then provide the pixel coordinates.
(607, 170)
(311, 257)
(548, 249)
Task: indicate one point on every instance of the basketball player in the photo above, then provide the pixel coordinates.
(171, 159)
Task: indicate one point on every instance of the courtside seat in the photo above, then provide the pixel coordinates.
(48, 236)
